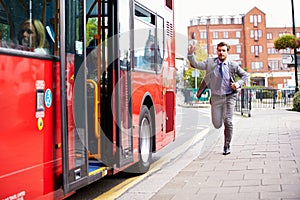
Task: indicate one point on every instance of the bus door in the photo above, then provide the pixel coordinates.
(73, 95)
(123, 89)
(99, 46)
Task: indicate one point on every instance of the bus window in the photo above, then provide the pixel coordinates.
(160, 42)
(149, 40)
(144, 43)
(24, 27)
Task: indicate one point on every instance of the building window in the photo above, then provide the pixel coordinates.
(272, 51)
(214, 20)
(269, 36)
(255, 21)
(255, 35)
(260, 49)
(238, 34)
(192, 22)
(215, 49)
(260, 33)
(257, 49)
(298, 34)
(226, 20)
(251, 18)
(259, 18)
(238, 49)
(203, 34)
(273, 64)
(225, 34)
(215, 34)
(288, 50)
(198, 21)
(257, 65)
(237, 20)
(251, 33)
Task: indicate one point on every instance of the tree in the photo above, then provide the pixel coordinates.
(287, 41)
(188, 78)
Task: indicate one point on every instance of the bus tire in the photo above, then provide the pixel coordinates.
(145, 141)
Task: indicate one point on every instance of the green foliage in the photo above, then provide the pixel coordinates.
(190, 80)
(91, 29)
(296, 101)
(287, 41)
(4, 28)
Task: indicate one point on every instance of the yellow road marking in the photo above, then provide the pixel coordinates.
(119, 189)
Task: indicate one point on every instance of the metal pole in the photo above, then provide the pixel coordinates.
(207, 39)
(295, 49)
(196, 74)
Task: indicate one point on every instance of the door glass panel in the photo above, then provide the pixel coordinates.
(76, 91)
(124, 84)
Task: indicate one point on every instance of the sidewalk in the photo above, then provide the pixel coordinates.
(264, 163)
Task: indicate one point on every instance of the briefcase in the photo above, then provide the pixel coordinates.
(202, 88)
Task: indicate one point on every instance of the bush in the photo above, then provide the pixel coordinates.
(296, 102)
(287, 41)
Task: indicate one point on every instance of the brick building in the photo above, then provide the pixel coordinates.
(251, 44)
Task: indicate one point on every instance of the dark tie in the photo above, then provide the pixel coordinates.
(220, 69)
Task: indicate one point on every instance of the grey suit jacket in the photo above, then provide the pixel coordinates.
(209, 66)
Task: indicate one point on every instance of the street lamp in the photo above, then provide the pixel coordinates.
(295, 49)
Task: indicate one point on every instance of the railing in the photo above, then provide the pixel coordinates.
(262, 98)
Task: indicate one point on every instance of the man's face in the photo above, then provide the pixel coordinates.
(222, 53)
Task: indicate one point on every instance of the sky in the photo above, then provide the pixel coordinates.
(278, 12)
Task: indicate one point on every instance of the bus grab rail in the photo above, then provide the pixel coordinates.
(96, 112)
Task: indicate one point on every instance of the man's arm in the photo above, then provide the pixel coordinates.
(195, 64)
(243, 75)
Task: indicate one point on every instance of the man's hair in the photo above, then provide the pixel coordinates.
(222, 44)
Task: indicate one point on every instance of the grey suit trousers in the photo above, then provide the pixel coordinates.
(222, 109)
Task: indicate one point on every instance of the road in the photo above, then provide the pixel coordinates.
(192, 125)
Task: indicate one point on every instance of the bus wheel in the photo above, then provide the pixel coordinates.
(145, 141)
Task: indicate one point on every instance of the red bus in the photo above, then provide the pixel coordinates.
(87, 89)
